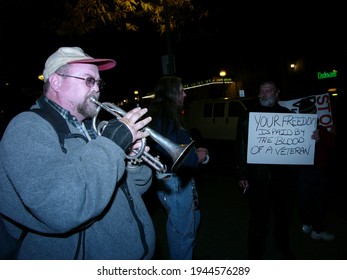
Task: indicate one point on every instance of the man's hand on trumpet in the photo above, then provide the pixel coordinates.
(136, 148)
(131, 120)
(128, 129)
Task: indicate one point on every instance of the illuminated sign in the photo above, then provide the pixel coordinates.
(213, 81)
(208, 82)
(325, 75)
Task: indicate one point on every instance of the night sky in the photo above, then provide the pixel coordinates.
(234, 33)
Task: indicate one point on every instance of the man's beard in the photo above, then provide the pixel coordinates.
(267, 101)
(86, 109)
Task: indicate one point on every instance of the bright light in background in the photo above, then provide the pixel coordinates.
(137, 96)
(222, 73)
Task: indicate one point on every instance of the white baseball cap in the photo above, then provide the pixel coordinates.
(68, 55)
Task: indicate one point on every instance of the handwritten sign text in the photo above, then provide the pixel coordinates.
(281, 138)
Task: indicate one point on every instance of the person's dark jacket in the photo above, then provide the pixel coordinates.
(263, 172)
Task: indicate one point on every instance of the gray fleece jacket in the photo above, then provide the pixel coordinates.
(71, 204)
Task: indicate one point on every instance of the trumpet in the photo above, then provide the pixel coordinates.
(177, 152)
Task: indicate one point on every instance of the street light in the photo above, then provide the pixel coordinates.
(137, 97)
(223, 73)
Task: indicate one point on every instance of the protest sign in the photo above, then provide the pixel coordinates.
(323, 106)
(281, 138)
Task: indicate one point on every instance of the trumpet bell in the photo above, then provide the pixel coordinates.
(180, 154)
(177, 152)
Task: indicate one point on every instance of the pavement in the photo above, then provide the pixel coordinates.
(224, 211)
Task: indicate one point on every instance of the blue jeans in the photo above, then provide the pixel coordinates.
(180, 199)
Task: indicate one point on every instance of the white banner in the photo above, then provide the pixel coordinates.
(323, 106)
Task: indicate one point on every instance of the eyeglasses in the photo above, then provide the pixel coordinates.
(90, 81)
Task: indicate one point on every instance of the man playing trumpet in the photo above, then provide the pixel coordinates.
(80, 198)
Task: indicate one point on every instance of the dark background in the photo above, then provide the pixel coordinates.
(254, 35)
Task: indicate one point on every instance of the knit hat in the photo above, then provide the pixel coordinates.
(68, 55)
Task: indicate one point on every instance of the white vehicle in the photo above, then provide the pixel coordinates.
(216, 119)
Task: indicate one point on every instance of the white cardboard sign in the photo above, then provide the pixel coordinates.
(281, 138)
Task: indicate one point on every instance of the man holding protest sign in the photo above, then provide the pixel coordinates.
(271, 188)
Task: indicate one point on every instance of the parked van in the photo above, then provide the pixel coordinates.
(216, 119)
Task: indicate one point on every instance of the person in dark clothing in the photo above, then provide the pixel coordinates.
(271, 188)
(314, 180)
(176, 187)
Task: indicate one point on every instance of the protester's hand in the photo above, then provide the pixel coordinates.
(132, 120)
(244, 185)
(315, 135)
(202, 155)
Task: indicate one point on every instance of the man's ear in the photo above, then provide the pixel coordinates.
(55, 81)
